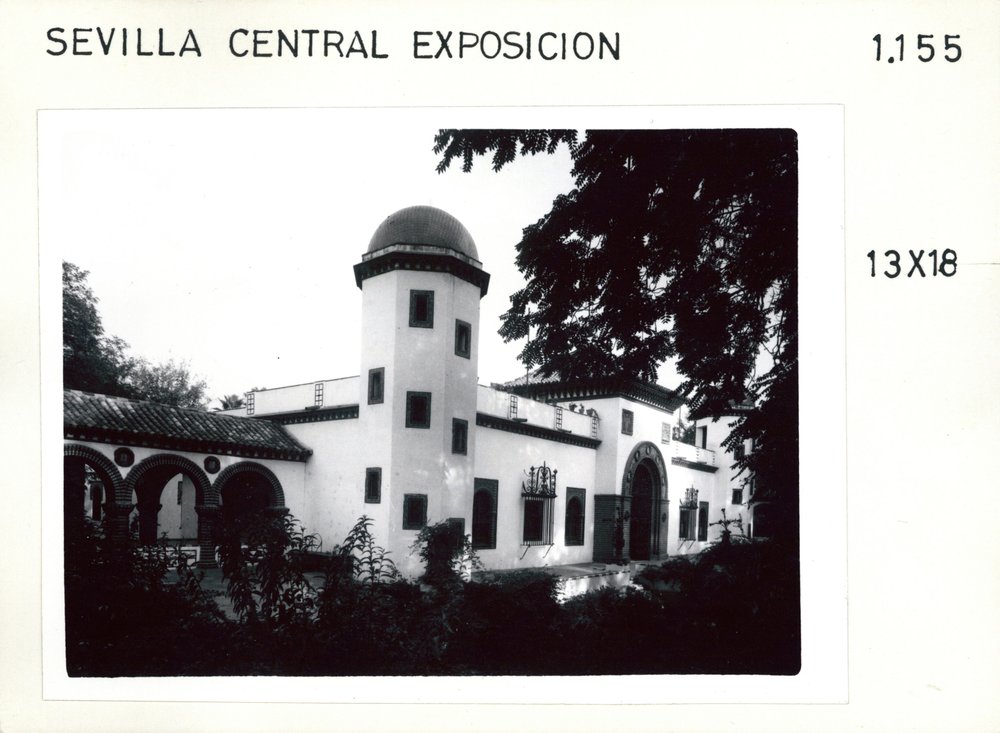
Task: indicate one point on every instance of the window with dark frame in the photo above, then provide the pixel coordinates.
(459, 436)
(414, 511)
(737, 496)
(739, 451)
(373, 486)
(484, 514)
(627, 420)
(463, 339)
(418, 409)
(537, 528)
(250, 403)
(318, 394)
(422, 309)
(688, 522)
(665, 432)
(576, 502)
(376, 386)
(703, 521)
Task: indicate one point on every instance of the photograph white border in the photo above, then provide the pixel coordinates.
(822, 435)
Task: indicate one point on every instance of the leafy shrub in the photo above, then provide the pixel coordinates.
(447, 553)
(261, 557)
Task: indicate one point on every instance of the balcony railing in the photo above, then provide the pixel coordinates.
(692, 453)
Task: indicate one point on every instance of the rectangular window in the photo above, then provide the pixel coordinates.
(373, 486)
(463, 339)
(537, 520)
(703, 521)
(459, 436)
(703, 437)
(739, 451)
(422, 308)
(512, 408)
(737, 496)
(665, 433)
(180, 492)
(414, 511)
(250, 402)
(576, 504)
(689, 519)
(376, 386)
(318, 392)
(418, 409)
(559, 418)
(627, 418)
(484, 514)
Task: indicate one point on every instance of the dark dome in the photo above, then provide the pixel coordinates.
(427, 226)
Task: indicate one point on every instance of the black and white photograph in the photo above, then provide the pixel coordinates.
(344, 396)
(528, 366)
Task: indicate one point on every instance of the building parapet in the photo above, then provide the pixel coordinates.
(533, 413)
(317, 395)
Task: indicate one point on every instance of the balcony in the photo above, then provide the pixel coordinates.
(687, 453)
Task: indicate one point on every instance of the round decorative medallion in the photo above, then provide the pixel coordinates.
(124, 457)
(212, 464)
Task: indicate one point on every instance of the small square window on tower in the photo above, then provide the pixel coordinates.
(414, 511)
(459, 436)
(627, 420)
(376, 386)
(373, 486)
(418, 409)
(422, 308)
(463, 339)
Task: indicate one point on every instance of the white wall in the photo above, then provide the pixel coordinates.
(505, 457)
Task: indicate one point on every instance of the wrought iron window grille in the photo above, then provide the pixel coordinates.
(541, 482)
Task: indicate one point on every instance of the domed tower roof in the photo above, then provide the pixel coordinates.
(424, 225)
(422, 238)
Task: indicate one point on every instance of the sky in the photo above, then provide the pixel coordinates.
(226, 238)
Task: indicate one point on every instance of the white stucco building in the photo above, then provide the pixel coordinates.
(540, 472)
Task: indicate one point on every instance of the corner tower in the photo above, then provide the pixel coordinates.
(421, 281)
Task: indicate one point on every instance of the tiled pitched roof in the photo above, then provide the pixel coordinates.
(553, 388)
(105, 419)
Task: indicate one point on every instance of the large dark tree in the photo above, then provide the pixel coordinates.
(677, 244)
(92, 361)
(96, 362)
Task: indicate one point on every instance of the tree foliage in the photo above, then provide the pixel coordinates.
(231, 402)
(169, 383)
(96, 362)
(682, 245)
(92, 360)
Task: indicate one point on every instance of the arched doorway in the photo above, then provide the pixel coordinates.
(644, 487)
(145, 485)
(248, 490)
(645, 491)
(92, 486)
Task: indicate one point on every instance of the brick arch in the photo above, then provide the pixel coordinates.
(204, 492)
(104, 466)
(277, 495)
(650, 453)
(647, 520)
